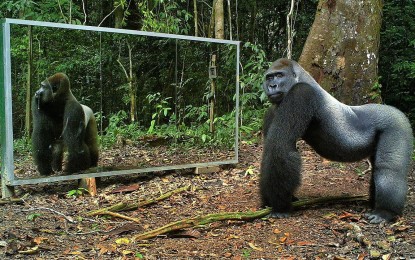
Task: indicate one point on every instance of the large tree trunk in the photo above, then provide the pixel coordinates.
(341, 51)
(219, 20)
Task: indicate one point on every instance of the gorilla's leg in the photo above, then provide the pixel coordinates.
(78, 158)
(73, 138)
(91, 136)
(280, 177)
(389, 180)
(57, 156)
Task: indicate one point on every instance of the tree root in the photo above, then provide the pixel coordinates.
(250, 215)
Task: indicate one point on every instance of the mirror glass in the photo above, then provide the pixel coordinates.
(157, 101)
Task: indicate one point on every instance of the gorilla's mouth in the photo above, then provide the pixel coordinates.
(276, 97)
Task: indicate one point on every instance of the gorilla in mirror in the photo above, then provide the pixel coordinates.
(60, 122)
(302, 109)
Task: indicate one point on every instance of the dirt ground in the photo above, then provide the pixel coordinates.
(52, 225)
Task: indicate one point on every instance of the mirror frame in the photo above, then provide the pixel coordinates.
(9, 179)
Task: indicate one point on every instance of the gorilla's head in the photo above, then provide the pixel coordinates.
(279, 79)
(54, 87)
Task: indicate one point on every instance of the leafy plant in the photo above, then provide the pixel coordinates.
(161, 109)
(33, 217)
(246, 253)
(76, 193)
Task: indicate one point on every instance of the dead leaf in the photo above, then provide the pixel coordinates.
(127, 252)
(39, 240)
(125, 189)
(383, 245)
(123, 241)
(255, 247)
(227, 255)
(348, 215)
(361, 256)
(305, 243)
(276, 231)
(231, 236)
(283, 239)
(106, 248)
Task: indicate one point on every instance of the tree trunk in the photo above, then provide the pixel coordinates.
(195, 17)
(219, 20)
(133, 89)
(118, 15)
(341, 51)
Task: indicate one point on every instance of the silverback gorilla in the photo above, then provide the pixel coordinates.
(303, 109)
(60, 121)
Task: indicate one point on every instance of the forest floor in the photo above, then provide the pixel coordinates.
(52, 225)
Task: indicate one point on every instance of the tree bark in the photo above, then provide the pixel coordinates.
(219, 20)
(195, 17)
(341, 51)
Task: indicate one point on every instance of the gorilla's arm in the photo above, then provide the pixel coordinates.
(41, 142)
(281, 162)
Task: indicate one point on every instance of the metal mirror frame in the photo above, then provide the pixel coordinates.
(8, 178)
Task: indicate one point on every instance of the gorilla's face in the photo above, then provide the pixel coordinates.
(46, 92)
(279, 79)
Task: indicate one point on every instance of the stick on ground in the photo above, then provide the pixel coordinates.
(125, 206)
(250, 215)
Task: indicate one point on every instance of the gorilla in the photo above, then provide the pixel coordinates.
(302, 109)
(61, 122)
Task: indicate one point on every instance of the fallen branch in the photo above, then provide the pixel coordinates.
(117, 215)
(125, 206)
(250, 215)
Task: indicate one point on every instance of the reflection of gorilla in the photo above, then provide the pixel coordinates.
(302, 109)
(59, 121)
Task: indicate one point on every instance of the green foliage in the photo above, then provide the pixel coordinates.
(253, 99)
(76, 193)
(397, 52)
(246, 253)
(63, 12)
(165, 16)
(33, 217)
(22, 145)
(253, 75)
(376, 91)
(161, 107)
(117, 127)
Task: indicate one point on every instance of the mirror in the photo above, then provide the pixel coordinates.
(158, 101)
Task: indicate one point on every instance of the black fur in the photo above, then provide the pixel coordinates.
(61, 122)
(302, 109)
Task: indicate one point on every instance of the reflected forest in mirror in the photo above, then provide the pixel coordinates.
(157, 101)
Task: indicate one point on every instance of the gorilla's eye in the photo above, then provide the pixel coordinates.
(279, 75)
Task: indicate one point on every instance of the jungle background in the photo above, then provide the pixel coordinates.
(359, 52)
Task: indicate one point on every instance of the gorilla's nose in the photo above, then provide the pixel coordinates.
(38, 93)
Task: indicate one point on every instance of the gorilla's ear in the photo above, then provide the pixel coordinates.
(296, 71)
